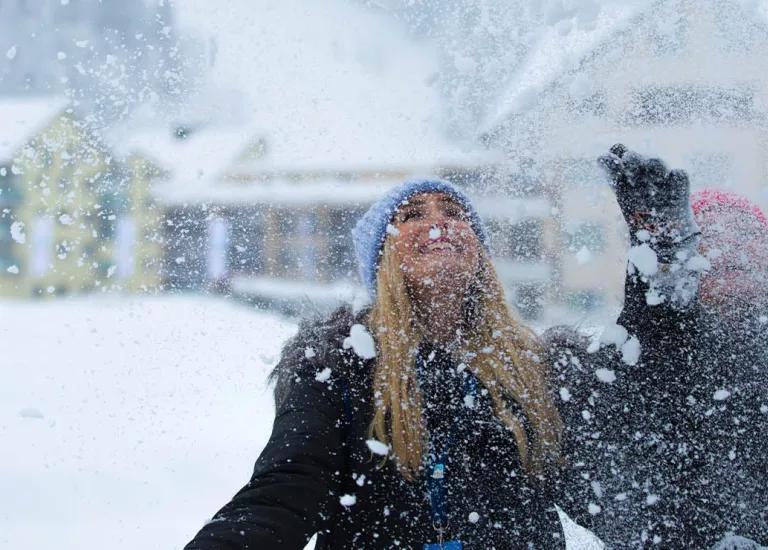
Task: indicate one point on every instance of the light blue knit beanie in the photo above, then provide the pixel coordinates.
(370, 231)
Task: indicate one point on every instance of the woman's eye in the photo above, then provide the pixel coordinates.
(409, 215)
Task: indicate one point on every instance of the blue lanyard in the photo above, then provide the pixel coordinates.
(436, 486)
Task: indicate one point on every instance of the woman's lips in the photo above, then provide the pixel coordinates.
(439, 245)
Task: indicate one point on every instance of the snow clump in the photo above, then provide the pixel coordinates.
(630, 351)
(721, 395)
(360, 341)
(644, 259)
(614, 334)
(605, 375)
(377, 447)
(698, 263)
(348, 500)
(17, 232)
(583, 256)
(324, 375)
(618, 336)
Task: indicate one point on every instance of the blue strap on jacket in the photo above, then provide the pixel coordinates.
(436, 482)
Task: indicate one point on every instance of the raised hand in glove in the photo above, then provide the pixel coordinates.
(652, 198)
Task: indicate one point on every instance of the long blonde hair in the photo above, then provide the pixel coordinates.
(504, 356)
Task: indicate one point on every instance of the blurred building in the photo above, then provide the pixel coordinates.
(246, 214)
(266, 168)
(682, 79)
(72, 218)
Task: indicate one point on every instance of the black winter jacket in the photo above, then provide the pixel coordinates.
(318, 475)
(672, 451)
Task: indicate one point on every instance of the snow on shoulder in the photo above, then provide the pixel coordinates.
(629, 346)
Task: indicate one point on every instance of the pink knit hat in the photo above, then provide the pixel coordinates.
(714, 198)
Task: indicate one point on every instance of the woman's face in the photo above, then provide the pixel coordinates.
(435, 243)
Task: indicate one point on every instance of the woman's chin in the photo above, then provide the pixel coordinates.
(445, 275)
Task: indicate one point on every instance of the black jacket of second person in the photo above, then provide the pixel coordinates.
(317, 473)
(671, 451)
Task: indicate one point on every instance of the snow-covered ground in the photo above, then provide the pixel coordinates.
(126, 422)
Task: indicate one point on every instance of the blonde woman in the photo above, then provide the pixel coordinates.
(423, 421)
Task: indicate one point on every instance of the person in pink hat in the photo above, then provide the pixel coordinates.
(665, 418)
(735, 240)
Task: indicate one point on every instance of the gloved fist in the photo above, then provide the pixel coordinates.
(651, 197)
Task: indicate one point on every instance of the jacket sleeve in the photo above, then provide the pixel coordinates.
(662, 303)
(564, 352)
(295, 483)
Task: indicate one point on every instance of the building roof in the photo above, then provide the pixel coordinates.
(22, 117)
(562, 49)
(202, 156)
(276, 192)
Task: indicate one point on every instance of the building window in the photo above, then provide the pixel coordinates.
(340, 262)
(111, 205)
(41, 240)
(186, 241)
(584, 301)
(7, 257)
(11, 193)
(306, 246)
(125, 242)
(680, 105)
(218, 241)
(246, 245)
(589, 235)
(521, 242)
(529, 300)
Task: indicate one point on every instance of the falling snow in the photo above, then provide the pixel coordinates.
(145, 157)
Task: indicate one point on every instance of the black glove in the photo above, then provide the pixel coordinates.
(651, 197)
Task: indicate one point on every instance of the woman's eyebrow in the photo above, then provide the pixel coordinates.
(452, 202)
(409, 206)
(412, 202)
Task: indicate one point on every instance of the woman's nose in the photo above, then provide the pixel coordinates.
(438, 218)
